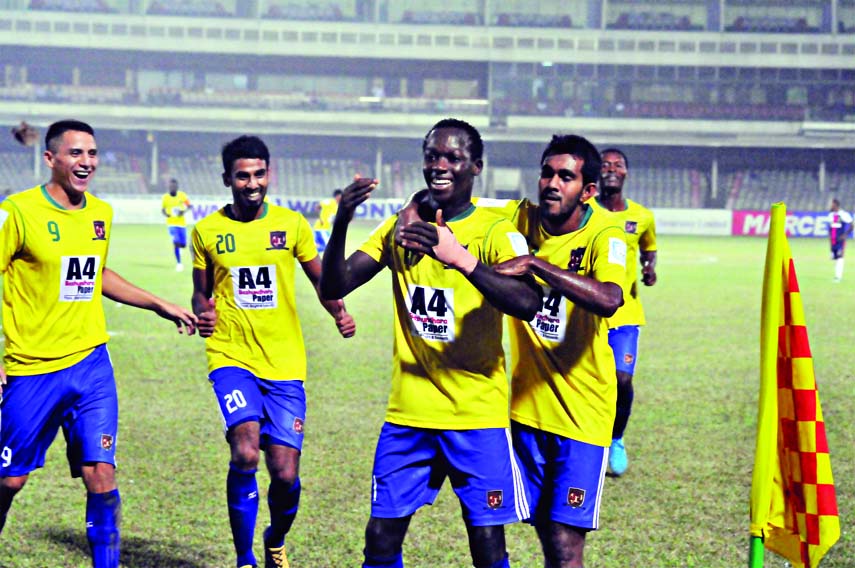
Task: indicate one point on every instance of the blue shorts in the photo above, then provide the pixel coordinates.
(837, 249)
(565, 477)
(278, 406)
(81, 400)
(321, 239)
(410, 465)
(624, 343)
(179, 235)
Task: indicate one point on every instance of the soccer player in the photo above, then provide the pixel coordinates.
(839, 227)
(173, 206)
(448, 408)
(563, 385)
(243, 292)
(327, 209)
(625, 325)
(54, 248)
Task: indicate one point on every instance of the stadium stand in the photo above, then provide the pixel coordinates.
(518, 19)
(653, 21)
(16, 170)
(197, 8)
(303, 177)
(322, 12)
(759, 188)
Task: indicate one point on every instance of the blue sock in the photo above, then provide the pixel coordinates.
(242, 496)
(623, 410)
(503, 563)
(283, 502)
(177, 255)
(396, 561)
(103, 515)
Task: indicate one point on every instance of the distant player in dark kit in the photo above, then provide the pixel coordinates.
(448, 408)
(839, 227)
(244, 258)
(54, 246)
(624, 326)
(173, 206)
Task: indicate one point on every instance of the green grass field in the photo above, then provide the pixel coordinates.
(683, 502)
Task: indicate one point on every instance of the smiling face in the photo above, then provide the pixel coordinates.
(561, 191)
(613, 173)
(248, 180)
(449, 168)
(73, 159)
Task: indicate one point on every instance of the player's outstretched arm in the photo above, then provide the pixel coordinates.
(516, 295)
(339, 276)
(343, 320)
(648, 267)
(120, 290)
(601, 298)
(202, 302)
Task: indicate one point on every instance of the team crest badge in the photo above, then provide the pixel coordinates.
(100, 231)
(628, 358)
(576, 259)
(575, 497)
(106, 442)
(494, 498)
(277, 240)
(298, 425)
(631, 227)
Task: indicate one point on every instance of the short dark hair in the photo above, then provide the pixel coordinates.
(57, 129)
(616, 151)
(476, 145)
(337, 192)
(581, 148)
(244, 147)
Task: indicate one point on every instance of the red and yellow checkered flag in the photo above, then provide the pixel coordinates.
(793, 504)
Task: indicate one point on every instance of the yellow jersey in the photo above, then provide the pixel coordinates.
(52, 261)
(640, 229)
(449, 363)
(175, 207)
(562, 367)
(253, 267)
(329, 207)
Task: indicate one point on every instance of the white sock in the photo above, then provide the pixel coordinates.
(838, 268)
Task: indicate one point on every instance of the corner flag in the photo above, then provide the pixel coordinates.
(793, 504)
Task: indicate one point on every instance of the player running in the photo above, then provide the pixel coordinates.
(624, 326)
(55, 239)
(243, 292)
(173, 206)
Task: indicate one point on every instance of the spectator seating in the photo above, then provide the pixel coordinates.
(198, 8)
(656, 187)
(118, 173)
(529, 20)
(315, 11)
(84, 6)
(295, 177)
(771, 24)
(653, 21)
(757, 189)
(444, 17)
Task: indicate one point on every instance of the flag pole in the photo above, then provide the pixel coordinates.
(756, 553)
(761, 490)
